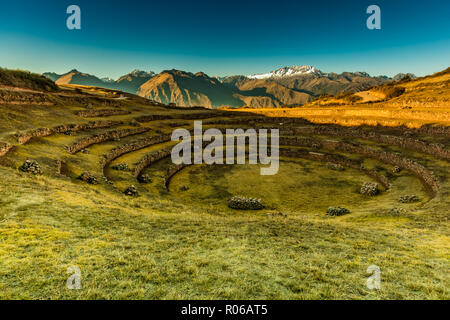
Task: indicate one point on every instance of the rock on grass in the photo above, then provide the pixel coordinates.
(245, 203)
(369, 189)
(31, 166)
(144, 178)
(335, 166)
(337, 211)
(409, 199)
(121, 167)
(88, 177)
(131, 191)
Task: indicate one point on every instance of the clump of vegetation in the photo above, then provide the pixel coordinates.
(88, 177)
(121, 167)
(245, 203)
(25, 79)
(369, 189)
(31, 166)
(131, 191)
(337, 211)
(335, 166)
(85, 151)
(409, 199)
(144, 178)
(397, 211)
(184, 188)
(406, 78)
(391, 91)
(349, 96)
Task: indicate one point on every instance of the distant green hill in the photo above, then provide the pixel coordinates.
(27, 80)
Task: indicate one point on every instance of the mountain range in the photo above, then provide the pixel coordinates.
(286, 86)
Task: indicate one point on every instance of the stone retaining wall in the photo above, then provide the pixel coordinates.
(102, 113)
(44, 132)
(4, 148)
(173, 170)
(429, 180)
(130, 147)
(150, 159)
(338, 159)
(41, 132)
(434, 149)
(153, 117)
(107, 136)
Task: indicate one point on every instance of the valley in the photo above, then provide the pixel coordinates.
(87, 180)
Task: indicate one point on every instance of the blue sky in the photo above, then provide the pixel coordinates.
(225, 37)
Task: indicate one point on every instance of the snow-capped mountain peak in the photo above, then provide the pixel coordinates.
(141, 73)
(287, 72)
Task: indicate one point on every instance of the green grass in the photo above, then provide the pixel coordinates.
(298, 188)
(190, 245)
(159, 249)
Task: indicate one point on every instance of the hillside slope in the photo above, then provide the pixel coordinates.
(410, 102)
(277, 94)
(129, 83)
(76, 77)
(132, 81)
(187, 89)
(25, 80)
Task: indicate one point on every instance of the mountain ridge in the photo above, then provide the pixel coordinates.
(286, 86)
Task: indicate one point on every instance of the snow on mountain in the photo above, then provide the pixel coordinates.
(107, 80)
(141, 73)
(287, 72)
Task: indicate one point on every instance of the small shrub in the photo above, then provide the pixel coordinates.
(369, 189)
(245, 203)
(392, 92)
(337, 211)
(409, 199)
(184, 188)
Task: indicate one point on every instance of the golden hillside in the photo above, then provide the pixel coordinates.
(412, 103)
